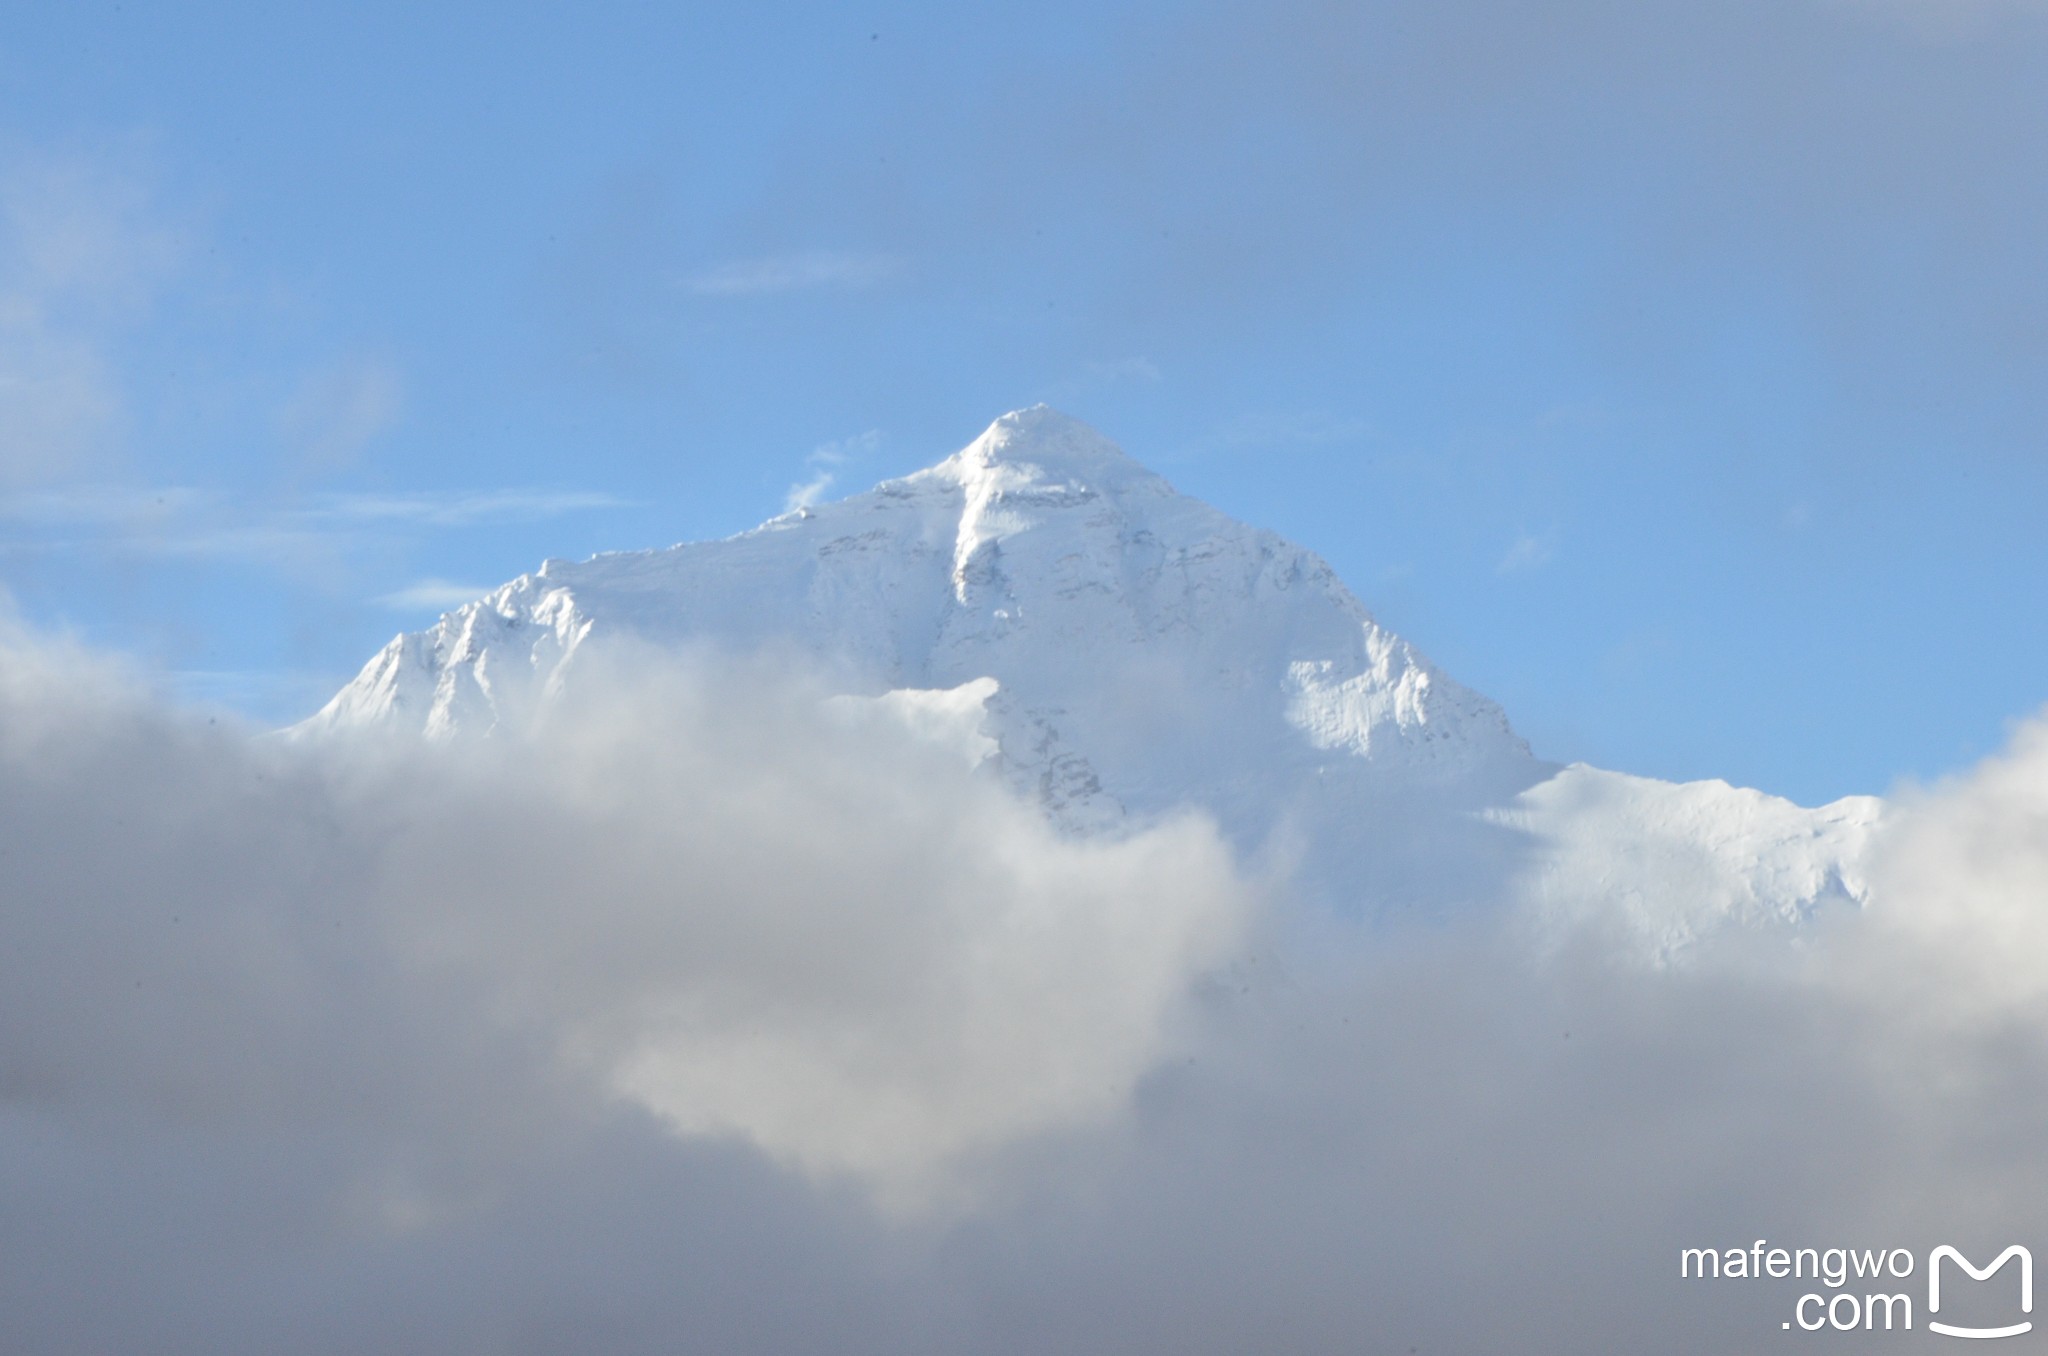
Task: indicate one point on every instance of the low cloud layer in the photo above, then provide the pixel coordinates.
(700, 1017)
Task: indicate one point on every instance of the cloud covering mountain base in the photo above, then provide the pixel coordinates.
(699, 1016)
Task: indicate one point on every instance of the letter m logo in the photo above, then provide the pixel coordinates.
(1980, 1274)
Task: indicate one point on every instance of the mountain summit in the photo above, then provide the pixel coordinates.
(1097, 596)
(1125, 650)
(1054, 444)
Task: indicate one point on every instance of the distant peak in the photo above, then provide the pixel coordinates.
(1055, 445)
(1040, 431)
(1043, 421)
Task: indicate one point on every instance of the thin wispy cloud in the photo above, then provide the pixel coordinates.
(261, 540)
(1125, 369)
(83, 252)
(91, 505)
(459, 510)
(340, 410)
(1949, 19)
(432, 595)
(188, 522)
(1528, 552)
(1289, 429)
(794, 273)
(806, 493)
(283, 694)
(823, 463)
(1094, 376)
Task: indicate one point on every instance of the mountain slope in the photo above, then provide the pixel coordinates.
(1147, 652)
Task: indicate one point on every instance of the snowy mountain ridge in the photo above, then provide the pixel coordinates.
(1124, 649)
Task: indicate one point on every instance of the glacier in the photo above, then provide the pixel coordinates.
(1115, 650)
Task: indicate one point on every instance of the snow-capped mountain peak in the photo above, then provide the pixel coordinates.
(1040, 555)
(1130, 650)
(1040, 446)
(1029, 462)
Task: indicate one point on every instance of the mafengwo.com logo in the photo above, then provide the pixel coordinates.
(1873, 1289)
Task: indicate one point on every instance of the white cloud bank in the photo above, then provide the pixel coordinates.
(697, 1018)
(696, 887)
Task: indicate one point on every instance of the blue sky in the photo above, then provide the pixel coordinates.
(1671, 373)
